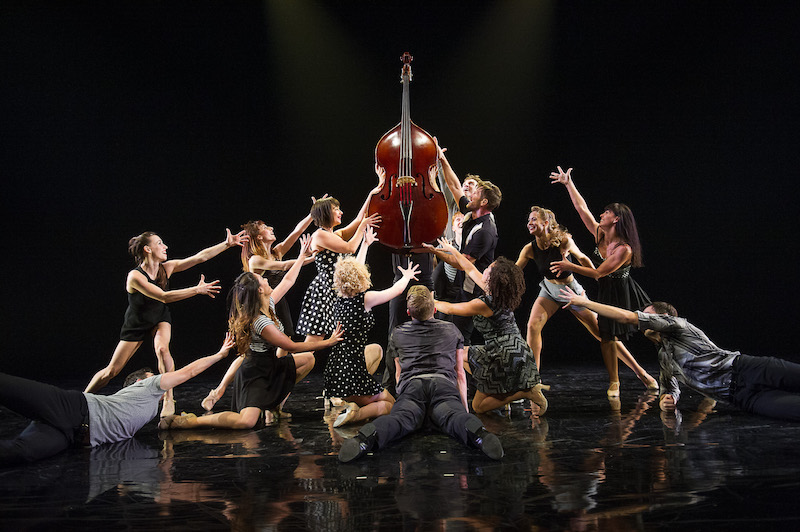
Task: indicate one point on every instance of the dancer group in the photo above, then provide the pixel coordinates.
(429, 353)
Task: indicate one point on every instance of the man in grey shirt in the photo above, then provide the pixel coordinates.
(63, 418)
(760, 385)
(431, 384)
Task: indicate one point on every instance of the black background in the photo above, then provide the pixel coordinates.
(186, 118)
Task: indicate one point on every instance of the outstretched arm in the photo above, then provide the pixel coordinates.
(284, 247)
(137, 281)
(461, 377)
(369, 238)
(173, 378)
(271, 334)
(565, 178)
(259, 264)
(336, 242)
(291, 276)
(473, 307)
(615, 313)
(179, 265)
(373, 298)
(450, 177)
(614, 261)
(464, 263)
(357, 225)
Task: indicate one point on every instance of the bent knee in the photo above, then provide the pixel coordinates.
(308, 362)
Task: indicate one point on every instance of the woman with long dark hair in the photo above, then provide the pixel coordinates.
(263, 257)
(264, 380)
(148, 296)
(617, 250)
(552, 243)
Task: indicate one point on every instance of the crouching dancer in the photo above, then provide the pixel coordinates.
(64, 418)
(759, 385)
(431, 384)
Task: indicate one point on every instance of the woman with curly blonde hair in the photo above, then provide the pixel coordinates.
(348, 373)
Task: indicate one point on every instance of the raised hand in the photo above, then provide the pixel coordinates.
(380, 171)
(305, 246)
(373, 220)
(238, 239)
(227, 344)
(446, 245)
(370, 236)
(314, 200)
(561, 176)
(209, 289)
(439, 150)
(410, 272)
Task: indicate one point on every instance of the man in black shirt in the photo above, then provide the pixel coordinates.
(432, 385)
(478, 233)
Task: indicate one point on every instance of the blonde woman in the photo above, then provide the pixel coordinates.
(552, 243)
(348, 373)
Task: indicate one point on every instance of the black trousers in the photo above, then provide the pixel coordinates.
(57, 416)
(766, 385)
(398, 309)
(427, 399)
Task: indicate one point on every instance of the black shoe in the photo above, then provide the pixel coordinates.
(485, 440)
(359, 445)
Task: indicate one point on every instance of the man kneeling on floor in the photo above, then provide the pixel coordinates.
(431, 384)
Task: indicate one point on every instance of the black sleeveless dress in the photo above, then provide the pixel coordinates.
(143, 314)
(620, 290)
(263, 380)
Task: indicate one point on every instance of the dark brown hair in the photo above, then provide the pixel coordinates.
(506, 284)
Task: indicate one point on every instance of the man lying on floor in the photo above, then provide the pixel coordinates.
(63, 418)
(760, 385)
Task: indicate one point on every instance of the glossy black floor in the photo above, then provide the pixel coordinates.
(590, 464)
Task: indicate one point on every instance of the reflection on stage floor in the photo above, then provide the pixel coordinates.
(590, 464)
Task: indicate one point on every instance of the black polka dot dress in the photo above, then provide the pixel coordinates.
(346, 372)
(316, 314)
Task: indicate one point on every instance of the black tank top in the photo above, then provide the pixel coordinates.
(147, 309)
(543, 258)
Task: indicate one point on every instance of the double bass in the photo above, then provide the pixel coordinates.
(412, 208)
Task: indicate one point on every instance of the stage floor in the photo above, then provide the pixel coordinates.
(589, 464)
